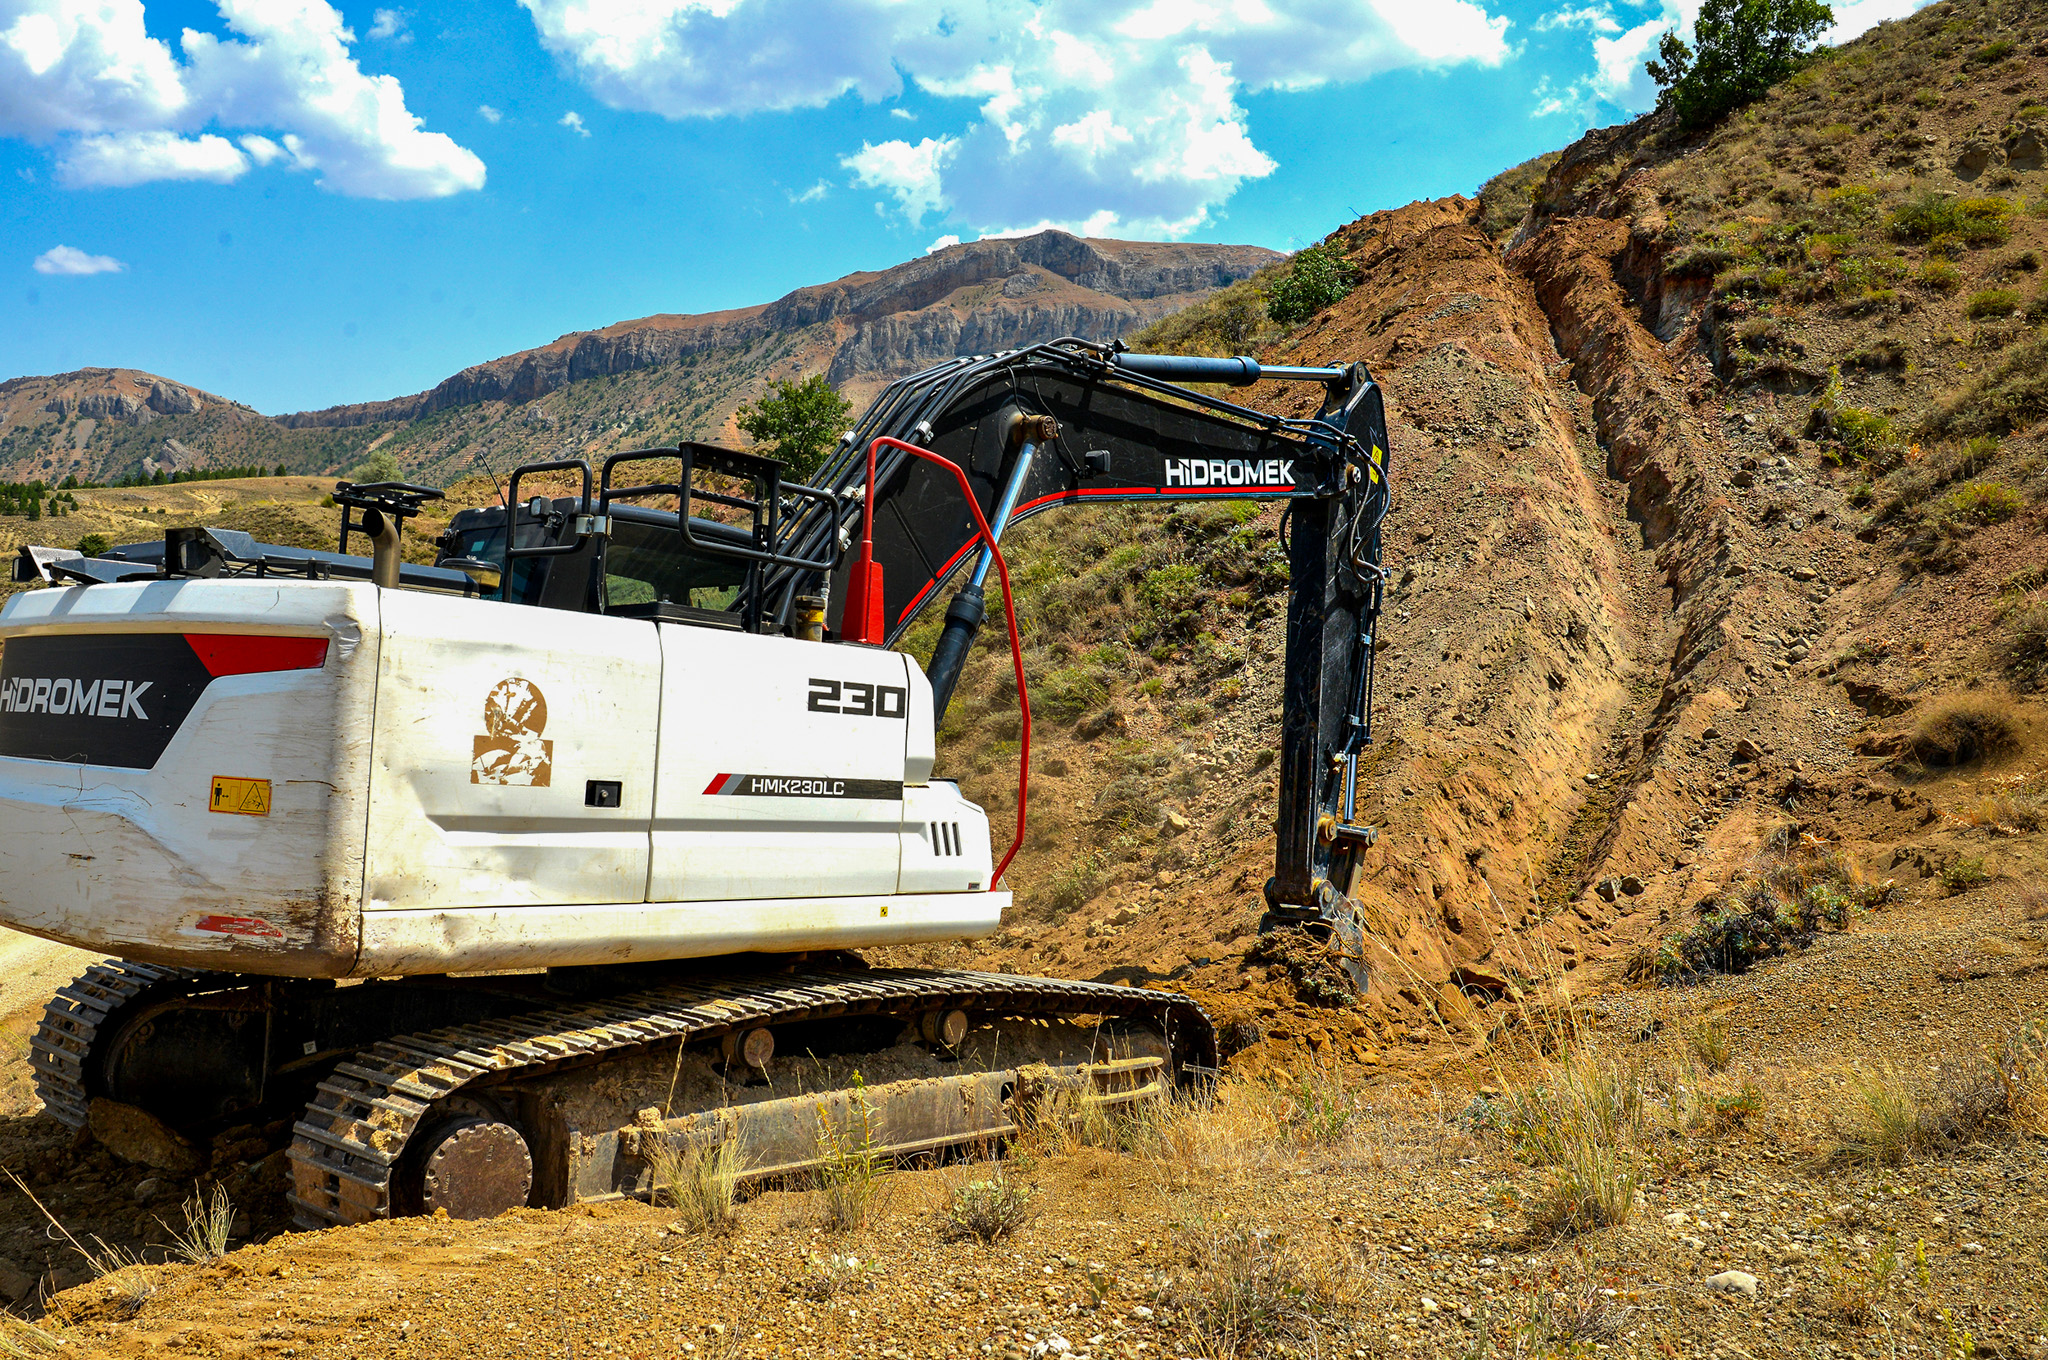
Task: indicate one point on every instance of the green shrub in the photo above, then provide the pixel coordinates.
(1971, 221)
(2011, 395)
(92, 545)
(1171, 598)
(1990, 54)
(1965, 874)
(1316, 278)
(1983, 503)
(1993, 303)
(1852, 204)
(1941, 276)
(1861, 433)
(987, 1210)
(1068, 693)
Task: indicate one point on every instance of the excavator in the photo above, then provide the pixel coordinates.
(514, 874)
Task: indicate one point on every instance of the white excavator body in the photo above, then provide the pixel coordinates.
(335, 779)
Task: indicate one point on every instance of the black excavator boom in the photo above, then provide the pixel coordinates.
(1077, 423)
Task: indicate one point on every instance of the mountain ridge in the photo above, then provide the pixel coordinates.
(657, 377)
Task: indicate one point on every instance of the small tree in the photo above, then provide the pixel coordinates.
(798, 422)
(1316, 278)
(1740, 48)
(35, 506)
(381, 466)
(92, 545)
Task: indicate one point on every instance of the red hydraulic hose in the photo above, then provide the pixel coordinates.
(1009, 614)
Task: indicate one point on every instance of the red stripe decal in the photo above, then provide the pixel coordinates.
(716, 780)
(251, 653)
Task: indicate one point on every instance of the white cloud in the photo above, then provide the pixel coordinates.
(489, 114)
(905, 114)
(812, 194)
(71, 260)
(912, 173)
(388, 25)
(1081, 112)
(1860, 16)
(123, 110)
(119, 159)
(1597, 18)
(574, 122)
(940, 244)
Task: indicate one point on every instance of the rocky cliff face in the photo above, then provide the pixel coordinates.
(867, 328)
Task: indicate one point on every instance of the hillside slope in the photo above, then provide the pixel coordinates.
(1663, 607)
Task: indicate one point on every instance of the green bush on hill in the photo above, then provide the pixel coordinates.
(1740, 48)
(1316, 278)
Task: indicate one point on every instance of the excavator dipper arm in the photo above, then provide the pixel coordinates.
(1076, 423)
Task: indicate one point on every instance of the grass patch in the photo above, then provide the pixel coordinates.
(204, 1238)
(1965, 728)
(1881, 1120)
(1248, 1291)
(701, 1183)
(2026, 644)
(1932, 216)
(2014, 393)
(1581, 1121)
(1992, 303)
(988, 1210)
(1708, 1041)
(1965, 874)
(1983, 503)
(850, 1161)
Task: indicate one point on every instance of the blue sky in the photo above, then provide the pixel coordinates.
(295, 205)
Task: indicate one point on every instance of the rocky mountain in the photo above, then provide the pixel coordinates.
(653, 379)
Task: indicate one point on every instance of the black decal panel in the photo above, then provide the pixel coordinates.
(97, 699)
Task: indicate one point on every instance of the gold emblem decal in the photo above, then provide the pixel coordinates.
(511, 751)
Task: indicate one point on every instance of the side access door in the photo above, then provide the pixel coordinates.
(514, 756)
(782, 765)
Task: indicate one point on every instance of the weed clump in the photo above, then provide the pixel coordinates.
(701, 1183)
(1992, 303)
(1964, 729)
(987, 1210)
(1246, 1291)
(2026, 644)
(850, 1160)
(1983, 503)
(1582, 1122)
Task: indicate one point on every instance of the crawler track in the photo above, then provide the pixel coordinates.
(77, 1014)
(345, 1149)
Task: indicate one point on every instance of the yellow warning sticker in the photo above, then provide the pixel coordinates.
(244, 797)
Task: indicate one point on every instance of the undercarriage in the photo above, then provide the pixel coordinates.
(476, 1095)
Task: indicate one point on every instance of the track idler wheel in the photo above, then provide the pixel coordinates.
(473, 1163)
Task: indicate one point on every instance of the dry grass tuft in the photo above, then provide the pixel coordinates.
(1966, 728)
(1884, 1121)
(1856, 1288)
(1708, 1041)
(988, 1209)
(204, 1237)
(1583, 1121)
(851, 1164)
(132, 1280)
(1248, 1291)
(701, 1183)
